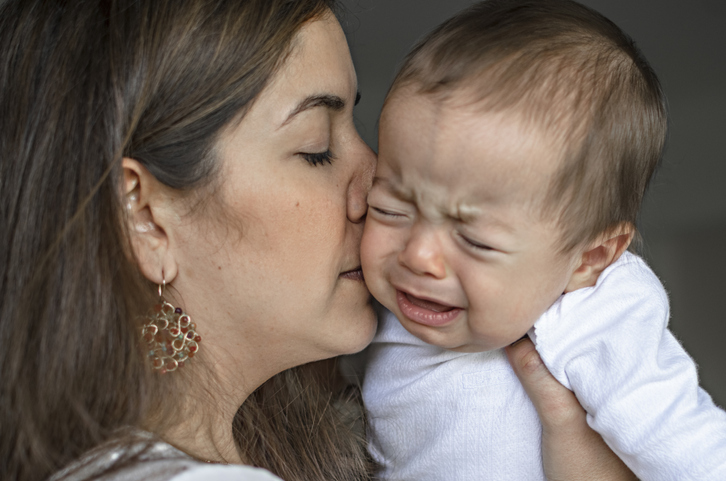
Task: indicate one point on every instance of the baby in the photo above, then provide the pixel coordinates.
(516, 145)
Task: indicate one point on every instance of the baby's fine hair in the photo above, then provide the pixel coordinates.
(571, 73)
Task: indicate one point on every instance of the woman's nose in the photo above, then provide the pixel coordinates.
(422, 254)
(365, 168)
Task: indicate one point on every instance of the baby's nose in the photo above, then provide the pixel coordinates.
(422, 254)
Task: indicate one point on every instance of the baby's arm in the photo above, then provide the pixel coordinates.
(610, 345)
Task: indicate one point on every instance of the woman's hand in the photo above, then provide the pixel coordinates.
(571, 450)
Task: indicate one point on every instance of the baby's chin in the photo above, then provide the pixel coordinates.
(448, 339)
(455, 338)
(484, 344)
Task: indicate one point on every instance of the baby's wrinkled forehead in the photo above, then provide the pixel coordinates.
(456, 121)
(491, 155)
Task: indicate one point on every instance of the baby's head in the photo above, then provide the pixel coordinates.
(515, 147)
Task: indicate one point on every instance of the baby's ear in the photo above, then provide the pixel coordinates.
(600, 254)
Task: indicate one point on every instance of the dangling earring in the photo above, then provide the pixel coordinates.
(170, 334)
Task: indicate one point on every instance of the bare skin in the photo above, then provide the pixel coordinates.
(271, 272)
(300, 246)
(571, 450)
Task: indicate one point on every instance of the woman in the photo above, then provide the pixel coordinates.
(199, 156)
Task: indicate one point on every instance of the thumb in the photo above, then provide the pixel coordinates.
(555, 404)
(570, 449)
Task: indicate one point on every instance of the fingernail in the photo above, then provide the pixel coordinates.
(519, 340)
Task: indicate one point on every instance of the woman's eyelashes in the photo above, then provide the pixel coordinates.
(318, 158)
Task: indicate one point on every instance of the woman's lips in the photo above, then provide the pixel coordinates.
(353, 274)
(425, 312)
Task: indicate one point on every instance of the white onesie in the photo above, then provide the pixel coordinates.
(442, 415)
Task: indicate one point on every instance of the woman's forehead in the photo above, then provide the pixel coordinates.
(318, 67)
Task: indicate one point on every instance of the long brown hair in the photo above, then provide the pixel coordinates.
(83, 84)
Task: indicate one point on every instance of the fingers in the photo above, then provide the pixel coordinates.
(555, 404)
(571, 450)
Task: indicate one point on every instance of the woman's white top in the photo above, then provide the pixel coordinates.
(224, 473)
(159, 461)
(438, 414)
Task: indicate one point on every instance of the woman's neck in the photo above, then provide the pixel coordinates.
(204, 431)
(201, 421)
(201, 426)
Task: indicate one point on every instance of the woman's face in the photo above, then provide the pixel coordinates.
(275, 281)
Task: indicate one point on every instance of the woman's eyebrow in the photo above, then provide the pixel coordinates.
(332, 102)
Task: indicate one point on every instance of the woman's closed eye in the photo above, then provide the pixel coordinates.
(318, 158)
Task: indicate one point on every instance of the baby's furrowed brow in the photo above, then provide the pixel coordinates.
(392, 188)
(466, 213)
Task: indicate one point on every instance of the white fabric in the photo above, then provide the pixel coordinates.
(610, 345)
(439, 415)
(157, 461)
(225, 473)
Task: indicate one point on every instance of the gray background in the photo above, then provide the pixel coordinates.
(684, 217)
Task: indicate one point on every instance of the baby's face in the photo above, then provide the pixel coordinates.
(455, 244)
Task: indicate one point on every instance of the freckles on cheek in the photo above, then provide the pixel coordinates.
(310, 232)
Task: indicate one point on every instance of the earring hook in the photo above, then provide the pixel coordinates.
(162, 286)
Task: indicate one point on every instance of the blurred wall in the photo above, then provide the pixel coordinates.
(684, 216)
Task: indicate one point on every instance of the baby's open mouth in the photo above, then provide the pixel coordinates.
(425, 311)
(430, 305)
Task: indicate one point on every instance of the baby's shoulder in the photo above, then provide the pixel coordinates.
(631, 283)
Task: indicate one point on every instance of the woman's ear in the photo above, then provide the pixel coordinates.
(600, 254)
(145, 201)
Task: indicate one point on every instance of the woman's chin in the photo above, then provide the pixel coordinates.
(357, 333)
(369, 326)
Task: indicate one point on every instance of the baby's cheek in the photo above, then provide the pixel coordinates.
(369, 252)
(374, 250)
(367, 247)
